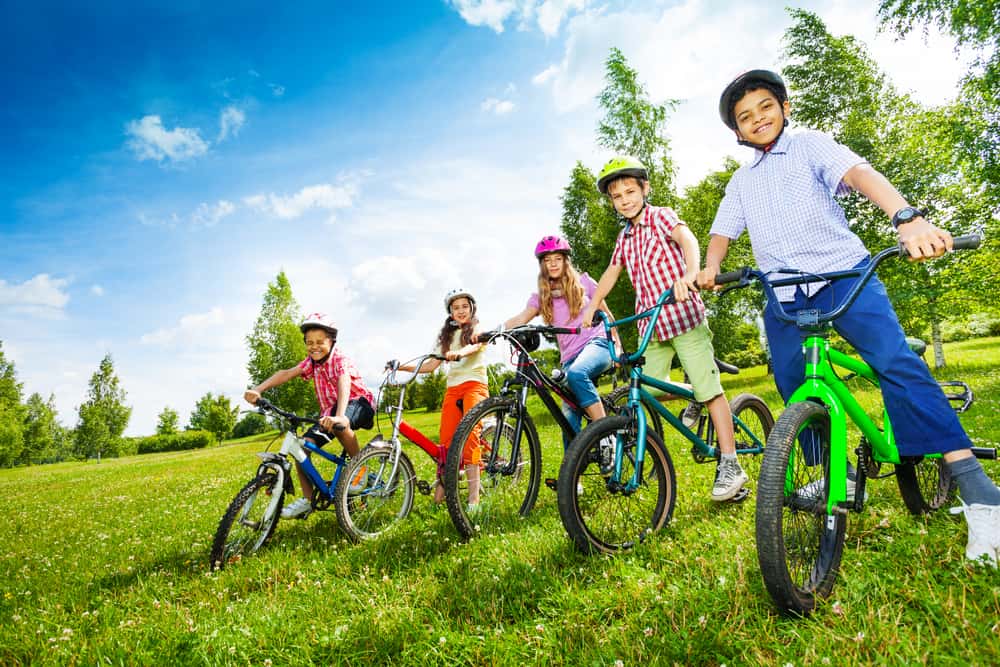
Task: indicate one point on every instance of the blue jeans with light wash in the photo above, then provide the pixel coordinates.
(581, 371)
(922, 419)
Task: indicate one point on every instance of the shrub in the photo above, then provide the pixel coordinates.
(175, 442)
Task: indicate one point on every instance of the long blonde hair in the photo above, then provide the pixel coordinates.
(570, 285)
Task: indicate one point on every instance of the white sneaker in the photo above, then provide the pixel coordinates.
(729, 479)
(606, 449)
(814, 490)
(984, 532)
(690, 414)
(300, 509)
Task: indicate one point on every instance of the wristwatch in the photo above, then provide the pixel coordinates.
(905, 215)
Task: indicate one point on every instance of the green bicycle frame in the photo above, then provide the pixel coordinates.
(823, 385)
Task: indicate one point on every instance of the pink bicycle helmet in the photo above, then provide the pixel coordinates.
(552, 244)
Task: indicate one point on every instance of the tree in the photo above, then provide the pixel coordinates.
(214, 414)
(251, 424)
(104, 416)
(168, 421)
(44, 438)
(975, 27)
(428, 392)
(276, 344)
(838, 88)
(12, 413)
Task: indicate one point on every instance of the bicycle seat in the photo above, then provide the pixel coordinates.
(917, 345)
(726, 368)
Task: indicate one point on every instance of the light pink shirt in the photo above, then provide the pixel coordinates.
(571, 344)
(325, 376)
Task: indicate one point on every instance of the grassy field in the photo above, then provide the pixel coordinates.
(108, 564)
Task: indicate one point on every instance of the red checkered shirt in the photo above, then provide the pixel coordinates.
(325, 375)
(654, 261)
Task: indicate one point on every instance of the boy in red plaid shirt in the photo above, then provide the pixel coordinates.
(661, 253)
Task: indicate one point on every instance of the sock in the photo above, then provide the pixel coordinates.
(973, 484)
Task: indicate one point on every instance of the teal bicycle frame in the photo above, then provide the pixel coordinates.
(638, 396)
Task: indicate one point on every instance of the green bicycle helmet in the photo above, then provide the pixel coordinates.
(619, 166)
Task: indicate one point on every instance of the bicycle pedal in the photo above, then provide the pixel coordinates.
(423, 487)
(740, 496)
(552, 483)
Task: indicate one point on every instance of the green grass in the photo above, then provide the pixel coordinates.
(108, 564)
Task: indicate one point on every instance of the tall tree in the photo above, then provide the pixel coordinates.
(43, 436)
(975, 25)
(838, 88)
(167, 422)
(276, 343)
(214, 414)
(12, 413)
(104, 416)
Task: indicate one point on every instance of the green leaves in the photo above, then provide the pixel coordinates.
(214, 414)
(103, 416)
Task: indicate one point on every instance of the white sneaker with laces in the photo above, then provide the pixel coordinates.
(690, 414)
(729, 479)
(984, 532)
(607, 454)
(815, 490)
(300, 509)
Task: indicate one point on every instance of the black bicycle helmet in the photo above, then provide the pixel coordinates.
(751, 80)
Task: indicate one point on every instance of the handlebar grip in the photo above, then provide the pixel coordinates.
(338, 427)
(967, 242)
(730, 276)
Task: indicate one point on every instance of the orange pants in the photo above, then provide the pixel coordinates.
(471, 393)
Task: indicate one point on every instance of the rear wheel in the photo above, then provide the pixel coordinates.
(753, 422)
(249, 520)
(510, 467)
(799, 545)
(370, 498)
(601, 515)
(925, 484)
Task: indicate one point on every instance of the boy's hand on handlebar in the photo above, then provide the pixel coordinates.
(684, 287)
(922, 240)
(251, 396)
(331, 423)
(706, 278)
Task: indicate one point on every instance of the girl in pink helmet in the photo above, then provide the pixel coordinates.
(563, 294)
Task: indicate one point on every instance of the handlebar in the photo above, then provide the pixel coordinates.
(265, 405)
(493, 335)
(393, 366)
(812, 317)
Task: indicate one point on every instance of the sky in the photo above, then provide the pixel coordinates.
(160, 166)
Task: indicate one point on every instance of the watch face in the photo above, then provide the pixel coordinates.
(907, 214)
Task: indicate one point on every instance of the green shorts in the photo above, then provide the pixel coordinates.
(697, 356)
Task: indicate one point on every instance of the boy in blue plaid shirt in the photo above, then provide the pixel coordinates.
(785, 199)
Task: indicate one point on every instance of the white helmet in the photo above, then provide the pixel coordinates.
(319, 321)
(454, 294)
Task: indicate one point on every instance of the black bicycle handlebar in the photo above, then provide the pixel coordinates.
(266, 405)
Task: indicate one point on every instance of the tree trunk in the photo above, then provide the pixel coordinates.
(938, 344)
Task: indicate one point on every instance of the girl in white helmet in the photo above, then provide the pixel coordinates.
(466, 381)
(343, 398)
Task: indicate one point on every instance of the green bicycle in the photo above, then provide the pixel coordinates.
(802, 497)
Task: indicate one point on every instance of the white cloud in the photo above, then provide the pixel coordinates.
(231, 120)
(40, 291)
(190, 327)
(208, 215)
(150, 140)
(499, 107)
(325, 197)
(547, 15)
(97, 290)
(492, 13)
(545, 75)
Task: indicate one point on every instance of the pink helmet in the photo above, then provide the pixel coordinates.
(319, 321)
(552, 244)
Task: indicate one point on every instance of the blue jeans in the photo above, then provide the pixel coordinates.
(581, 371)
(922, 419)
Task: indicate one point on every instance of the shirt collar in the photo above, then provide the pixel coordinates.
(780, 147)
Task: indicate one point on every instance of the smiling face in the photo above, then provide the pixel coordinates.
(554, 263)
(760, 117)
(318, 344)
(628, 195)
(460, 309)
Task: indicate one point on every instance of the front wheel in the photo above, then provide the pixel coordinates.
(925, 484)
(509, 470)
(618, 399)
(249, 520)
(372, 495)
(799, 545)
(600, 513)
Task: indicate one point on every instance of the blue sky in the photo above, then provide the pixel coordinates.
(161, 165)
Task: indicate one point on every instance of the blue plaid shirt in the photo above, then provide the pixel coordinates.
(785, 200)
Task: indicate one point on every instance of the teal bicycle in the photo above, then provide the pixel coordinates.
(617, 484)
(802, 496)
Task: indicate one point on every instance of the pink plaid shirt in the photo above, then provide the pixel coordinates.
(325, 376)
(654, 261)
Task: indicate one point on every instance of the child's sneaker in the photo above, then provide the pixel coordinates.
(607, 454)
(814, 490)
(729, 479)
(690, 414)
(359, 482)
(984, 532)
(300, 509)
